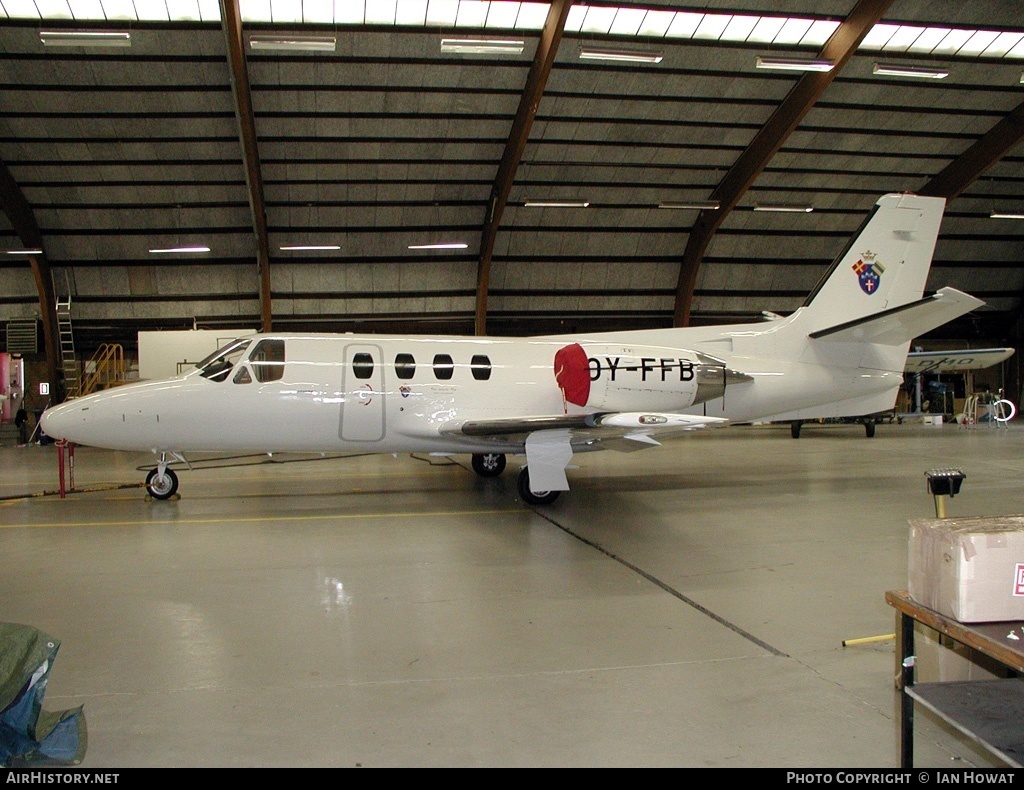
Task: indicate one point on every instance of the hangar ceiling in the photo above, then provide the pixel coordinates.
(385, 142)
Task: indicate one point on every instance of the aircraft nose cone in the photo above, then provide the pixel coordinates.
(54, 422)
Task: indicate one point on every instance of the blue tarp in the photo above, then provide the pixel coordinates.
(30, 736)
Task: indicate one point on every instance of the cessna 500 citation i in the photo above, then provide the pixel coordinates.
(841, 354)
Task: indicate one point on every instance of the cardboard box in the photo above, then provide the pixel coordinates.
(939, 659)
(970, 569)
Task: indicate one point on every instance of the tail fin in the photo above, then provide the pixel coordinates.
(885, 266)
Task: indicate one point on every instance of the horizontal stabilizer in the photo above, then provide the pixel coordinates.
(955, 361)
(902, 324)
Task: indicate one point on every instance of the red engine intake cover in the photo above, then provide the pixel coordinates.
(572, 372)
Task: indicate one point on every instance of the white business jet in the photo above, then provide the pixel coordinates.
(841, 354)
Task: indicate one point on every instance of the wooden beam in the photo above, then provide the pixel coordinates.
(984, 153)
(23, 220)
(250, 150)
(766, 143)
(537, 79)
(966, 168)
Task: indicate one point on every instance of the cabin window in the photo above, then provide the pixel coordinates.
(481, 367)
(217, 366)
(362, 365)
(267, 360)
(242, 376)
(443, 367)
(405, 366)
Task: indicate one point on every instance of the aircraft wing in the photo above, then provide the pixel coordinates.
(622, 431)
(902, 324)
(955, 361)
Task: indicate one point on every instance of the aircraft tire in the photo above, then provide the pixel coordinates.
(532, 497)
(488, 464)
(162, 487)
(794, 429)
(869, 428)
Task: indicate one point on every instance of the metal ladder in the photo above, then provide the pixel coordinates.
(69, 364)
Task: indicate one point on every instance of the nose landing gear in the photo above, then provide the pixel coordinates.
(488, 464)
(162, 483)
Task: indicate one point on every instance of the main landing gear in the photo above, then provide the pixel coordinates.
(493, 464)
(533, 497)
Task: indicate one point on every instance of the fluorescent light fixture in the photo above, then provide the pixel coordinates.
(620, 55)
(85, 38)
(699, 205)
(309, 247)
(556, 203)
(1005, 215)
(909, 71)
(291, 43)
(24, 252)
(783, 207)
(480, 46)
(181, 249)
(795, 64)
(447, 245)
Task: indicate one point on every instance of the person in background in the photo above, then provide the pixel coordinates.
(21, 420)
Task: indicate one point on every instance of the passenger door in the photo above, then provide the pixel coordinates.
(362, 407)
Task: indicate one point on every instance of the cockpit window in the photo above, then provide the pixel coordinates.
(267, 360)
(217, 366)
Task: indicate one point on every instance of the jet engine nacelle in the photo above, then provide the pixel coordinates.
(621, 378)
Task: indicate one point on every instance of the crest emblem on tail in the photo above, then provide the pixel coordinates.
(869, 272)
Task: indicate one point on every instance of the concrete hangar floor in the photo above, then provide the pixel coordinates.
(683, 606)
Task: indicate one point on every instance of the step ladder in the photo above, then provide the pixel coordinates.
(105, 369)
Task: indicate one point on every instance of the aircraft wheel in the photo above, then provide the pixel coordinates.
(489, 464)
(532, 497)
(161, 487)
(869, 428)
(794, 429)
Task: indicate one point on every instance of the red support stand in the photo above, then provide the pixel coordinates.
(67, 483)
(61, 446)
